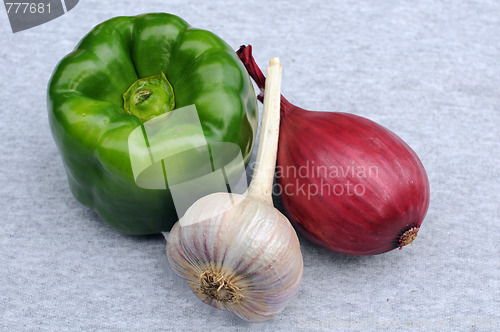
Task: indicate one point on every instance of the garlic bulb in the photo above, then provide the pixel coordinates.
(237, 252)
(246, 260)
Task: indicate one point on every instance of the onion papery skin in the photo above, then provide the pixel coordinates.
(347, 183)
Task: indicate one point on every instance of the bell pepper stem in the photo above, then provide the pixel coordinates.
(149, 97)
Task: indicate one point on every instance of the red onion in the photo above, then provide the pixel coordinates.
(346, 182)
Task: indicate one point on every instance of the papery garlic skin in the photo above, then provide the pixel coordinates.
(245, 259)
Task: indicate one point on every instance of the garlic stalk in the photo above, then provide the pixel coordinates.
(237, 252)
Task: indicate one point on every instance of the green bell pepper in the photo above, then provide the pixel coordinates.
(125, 72)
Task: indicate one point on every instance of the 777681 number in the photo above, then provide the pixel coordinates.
(27, 7)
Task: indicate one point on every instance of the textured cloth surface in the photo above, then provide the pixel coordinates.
(427, 70)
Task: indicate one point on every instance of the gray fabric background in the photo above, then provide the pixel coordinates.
(428, 70)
